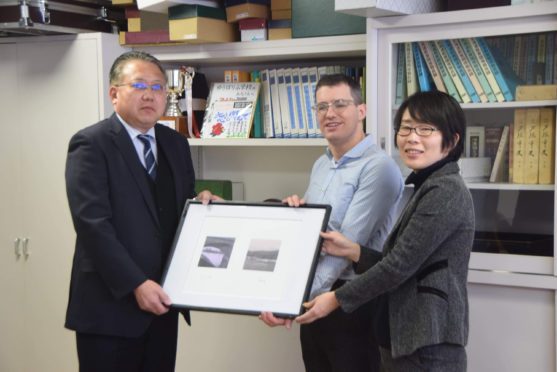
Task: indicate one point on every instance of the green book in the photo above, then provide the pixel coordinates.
(221, 188)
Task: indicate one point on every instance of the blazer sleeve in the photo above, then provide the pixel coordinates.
(98, 247)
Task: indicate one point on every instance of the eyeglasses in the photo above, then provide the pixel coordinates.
(420, 131)
(143, 87)
(338, 105)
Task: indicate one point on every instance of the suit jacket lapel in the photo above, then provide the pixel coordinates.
(125, 146)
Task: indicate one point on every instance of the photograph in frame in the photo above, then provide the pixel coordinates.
(245, 257)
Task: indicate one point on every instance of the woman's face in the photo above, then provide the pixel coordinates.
(419, 151)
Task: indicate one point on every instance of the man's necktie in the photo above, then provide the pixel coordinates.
(150, 163)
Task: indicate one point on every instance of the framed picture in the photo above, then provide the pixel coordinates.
(245, 257)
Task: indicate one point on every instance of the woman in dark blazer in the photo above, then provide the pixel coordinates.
(419, 280)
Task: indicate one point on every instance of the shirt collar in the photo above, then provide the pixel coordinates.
(355, 152)
(133, 132)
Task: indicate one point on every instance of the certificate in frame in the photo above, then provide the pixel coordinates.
(245, 257)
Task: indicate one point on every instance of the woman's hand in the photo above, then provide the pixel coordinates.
(336, 244)
(294, 201)
(319, 307)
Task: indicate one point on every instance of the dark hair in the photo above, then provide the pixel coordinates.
(338, 79)
(115, 74)
(442, 111)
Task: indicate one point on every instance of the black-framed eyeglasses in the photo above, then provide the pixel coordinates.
(143, 87)
(338, 105)
(405, 130)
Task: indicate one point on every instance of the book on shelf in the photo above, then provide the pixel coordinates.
(461, 71)
(453, 74)
(307, 75)
(283, 104)
(447, 80)
(519, 145)
(536, 92)
(475, 141)
(266, 107)
(427, 52)
(291, 103)
(539, 67)
(240, 76)
(400, 89)
(228, 76)
(421, 69)
(492, 139)
(469, 70)
(486, 68)
(502, 71)
(301, 113)
(547, 146)
(532, 152)
(230, 110)
(275, 102)
(411, 76)
(531, 58)
(478, 71)
(511, 149)
(258, 130)
(499, 170)
(549, 57)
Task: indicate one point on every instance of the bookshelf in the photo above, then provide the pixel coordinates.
(508, 289)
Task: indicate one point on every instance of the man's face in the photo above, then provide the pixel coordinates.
(139, 108)
(340, 123)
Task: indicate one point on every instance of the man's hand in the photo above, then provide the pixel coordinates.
(273, 321)
(336, 244)
(150, 297)
(319, 307)
(294, 201)
(206, 196)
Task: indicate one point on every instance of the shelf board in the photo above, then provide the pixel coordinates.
(453, 18)
(502, 105)
(262, 51)
(508, 186)
(258, 142)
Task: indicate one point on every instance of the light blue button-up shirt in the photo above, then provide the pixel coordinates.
(363, 188)
(133, 133)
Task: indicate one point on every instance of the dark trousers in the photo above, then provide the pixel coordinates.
(154, 351)
(340, 342)
(433, 358)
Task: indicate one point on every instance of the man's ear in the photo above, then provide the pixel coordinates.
(362, 111)
(113, 94)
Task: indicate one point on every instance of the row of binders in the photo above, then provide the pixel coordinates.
(468, 69)
(287, 96)
(521, 152)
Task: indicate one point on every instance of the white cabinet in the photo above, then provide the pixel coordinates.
(52, 86)
(512, 296)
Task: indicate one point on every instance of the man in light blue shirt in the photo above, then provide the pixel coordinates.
(363, 185)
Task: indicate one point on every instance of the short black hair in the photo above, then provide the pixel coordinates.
(115, 74)
(338, 79)
(442, 111)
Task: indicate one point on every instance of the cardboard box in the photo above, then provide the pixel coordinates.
(191, 11)
(236, 12)
(253, 29)
(202, 30)
(475, 169)
(161, 6)
(311, 18)
(281, 14)
(281, 4)
(147, 21)
(280, 29)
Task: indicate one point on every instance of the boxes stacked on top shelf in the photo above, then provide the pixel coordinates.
(253, 29)
(280, 29)
(244, 9)
(140, 20)
(200, 24)
(312, 18)
(281, 9)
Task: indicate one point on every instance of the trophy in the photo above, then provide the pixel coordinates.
(178, 81)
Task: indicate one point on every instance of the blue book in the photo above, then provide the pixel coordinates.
(447, 80)
(461, 72)
(400, 76)
(477, 70)
(305, 74)
(291, 103)
(421, 69)
(549, 57)
(502, 70)
(267, 108)
(299, 98)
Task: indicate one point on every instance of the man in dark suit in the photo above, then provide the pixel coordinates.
(127, 180)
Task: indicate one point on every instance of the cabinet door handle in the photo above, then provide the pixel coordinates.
(25, 244)
(17, 248)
